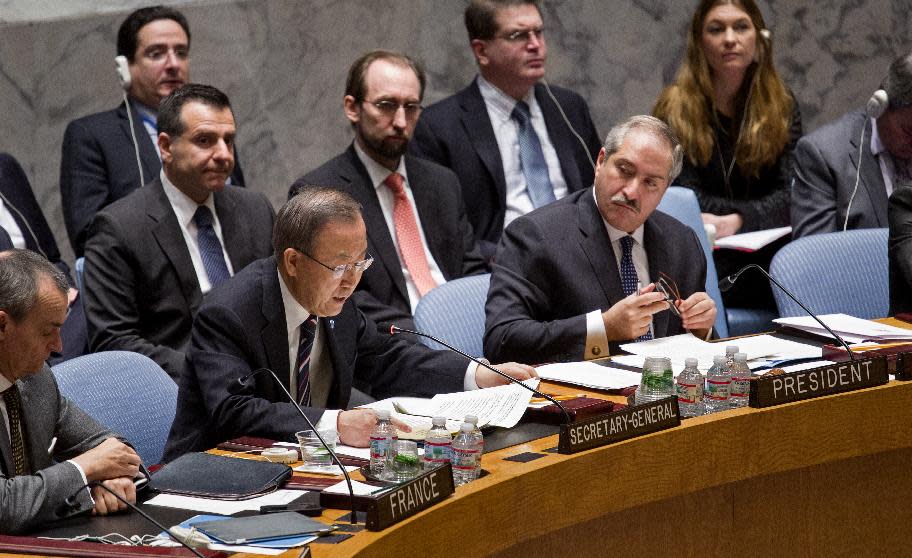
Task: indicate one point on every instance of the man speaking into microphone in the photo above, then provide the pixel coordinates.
(292, 313)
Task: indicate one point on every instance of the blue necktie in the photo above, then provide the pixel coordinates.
(302, 365)
(210, 248)
(629, 274)
(532, 158)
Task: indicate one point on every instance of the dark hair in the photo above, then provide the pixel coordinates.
(303, 216)
(128, 34)
(169, 112)
(898, 83)
(20, 272)
(481, 16)
(354, 84)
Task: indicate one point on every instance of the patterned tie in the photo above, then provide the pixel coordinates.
(302, 365)
(408, 237)
(14, 412)
(532, 158)
(629, 275)
(210, 248)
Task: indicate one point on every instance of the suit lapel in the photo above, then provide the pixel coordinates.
(148, 154)
(481, 135)
(275, 333)
(871, 176)
(596, 243)
(657, 251)
(561, 139)
(235, 231)
(167, 233)
(378, 233)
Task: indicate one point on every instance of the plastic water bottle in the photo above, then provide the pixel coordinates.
(690, 389)
(466, 462)
(657, 381)
(438, 445)
(479, 437)
(740, 382)
(730, 352)
(718, 381)
(381, 442)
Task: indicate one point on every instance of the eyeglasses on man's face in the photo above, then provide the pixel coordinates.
(523, 36)
(341, 269)
(389, 108)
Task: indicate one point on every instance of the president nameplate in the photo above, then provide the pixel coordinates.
(409, 498)
(838, 377)
(618, 426)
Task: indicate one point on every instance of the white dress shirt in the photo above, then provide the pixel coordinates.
(378, 173)
(9, 224)
(184, 209)
(506, 131)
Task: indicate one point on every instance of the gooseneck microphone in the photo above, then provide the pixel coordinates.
(70, 504)
(393, 329)
(727, 282)
(351, 492)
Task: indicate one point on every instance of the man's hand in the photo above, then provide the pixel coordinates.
(355, 426)
(631, 316)
(485, 378)
(106, 503)
(698, 313)
(726, 225)
(109, 460)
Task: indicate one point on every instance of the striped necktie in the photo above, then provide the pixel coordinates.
(302, 365)
(532, 158)
(629, 275)
(14, 411)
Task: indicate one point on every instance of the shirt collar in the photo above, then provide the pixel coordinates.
(502, 104)
(295, 314)
(617, 234)
(5, 384)
(184, 206)
(375, 170)
(877, 146)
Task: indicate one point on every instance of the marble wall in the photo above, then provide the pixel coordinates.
(283, 64)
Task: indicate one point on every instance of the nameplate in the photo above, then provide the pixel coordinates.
(409, 498)
(618, 426)
(839, 377)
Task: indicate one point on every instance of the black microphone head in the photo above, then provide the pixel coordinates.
(726, 283)
(387, 329)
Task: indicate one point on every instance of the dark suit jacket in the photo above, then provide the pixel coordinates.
(141, 287)
(98, 166)
(457, 133)
(556, 264)
(382, 294)
(241, 327)
(900, 251)
(826, 164)
(29, 501)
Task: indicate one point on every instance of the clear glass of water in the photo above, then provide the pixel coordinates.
(312, 451)
(403, 463)
(657, 381)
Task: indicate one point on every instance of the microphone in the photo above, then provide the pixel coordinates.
(393, 329)
(70, 504)
(727, 282)
(242, 383)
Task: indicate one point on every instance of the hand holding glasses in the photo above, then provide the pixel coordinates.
(669, 289)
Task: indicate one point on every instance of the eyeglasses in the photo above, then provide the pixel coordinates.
(390, 108)
(523, 36)
(342, 269)
(669, 289)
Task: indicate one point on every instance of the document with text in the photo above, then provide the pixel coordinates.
(501, 406)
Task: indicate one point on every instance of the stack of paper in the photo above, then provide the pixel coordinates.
(752, 241)
(850, 328)
(589, 374)
(501, 406)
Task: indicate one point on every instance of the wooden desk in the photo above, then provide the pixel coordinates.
(827, 476)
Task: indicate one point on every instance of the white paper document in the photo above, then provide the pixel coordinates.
(224, 507)
(850, 328)
(498, 406)
(752, 241)
(420, 425)
(589, 374)
(359, 488)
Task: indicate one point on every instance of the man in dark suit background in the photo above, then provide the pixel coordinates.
(98, 163)
(49, 448)
(152, 256)
(514, 143)
(574, 279)
(416, 224)
(293, 314)
(827, 163)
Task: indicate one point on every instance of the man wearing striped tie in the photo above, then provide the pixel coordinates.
(153, 255)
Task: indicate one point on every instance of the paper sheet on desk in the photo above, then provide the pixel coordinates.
(850, 328)
(420, 424)
(589, 374)
(497, 406)
(752, 241)
(224, 507)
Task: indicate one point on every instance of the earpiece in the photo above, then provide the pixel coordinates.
(766, 34)
(123, 72)
(877, 104)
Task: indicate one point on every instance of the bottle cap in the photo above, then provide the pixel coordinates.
(472, 419)
(731, 349)
(690, 362)
(719, 359)
(740, 357)
(466, 427)
(438, 421)
(383, 414)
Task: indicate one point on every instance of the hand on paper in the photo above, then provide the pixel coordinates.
(485, 378)
(355, 426)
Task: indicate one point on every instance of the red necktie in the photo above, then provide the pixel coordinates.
(408, 236)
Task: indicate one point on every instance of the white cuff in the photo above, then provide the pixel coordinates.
(596, 337)
(329, 420)
(468, 382)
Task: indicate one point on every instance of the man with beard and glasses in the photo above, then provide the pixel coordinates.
(416, 223)
(600, 267)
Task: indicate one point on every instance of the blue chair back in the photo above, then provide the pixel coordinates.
(845, 272)
(455, 312)
(681, 203)
(126, 392)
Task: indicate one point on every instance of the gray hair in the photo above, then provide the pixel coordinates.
(898, 83)
(656, 127)
(20, 273)
(304, 215)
